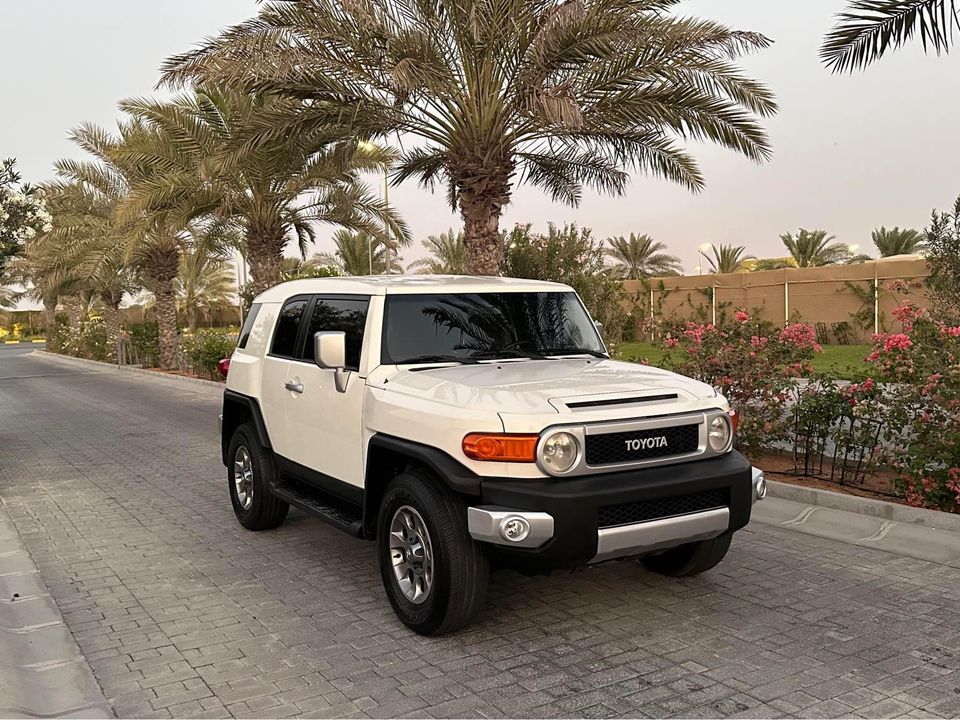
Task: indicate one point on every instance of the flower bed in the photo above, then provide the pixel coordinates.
(895, 432)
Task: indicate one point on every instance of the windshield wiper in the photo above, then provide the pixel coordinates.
(574, 351)
(437, 359)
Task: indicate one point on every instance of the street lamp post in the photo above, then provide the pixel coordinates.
(386, 224)
(702, 252)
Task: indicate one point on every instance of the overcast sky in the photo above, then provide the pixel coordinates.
(850, 152)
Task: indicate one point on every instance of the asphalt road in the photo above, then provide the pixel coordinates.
(114, 483)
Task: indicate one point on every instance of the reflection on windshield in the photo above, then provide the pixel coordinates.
(486, 326)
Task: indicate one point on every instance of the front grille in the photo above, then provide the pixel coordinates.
(636, 445)
(644, 510)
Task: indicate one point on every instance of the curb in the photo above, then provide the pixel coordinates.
(893, 512)
(175, 379)
(42, 672)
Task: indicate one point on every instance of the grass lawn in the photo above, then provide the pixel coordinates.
(844, 362)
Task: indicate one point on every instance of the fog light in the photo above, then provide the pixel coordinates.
(514, 528)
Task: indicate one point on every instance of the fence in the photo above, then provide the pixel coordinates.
(845, 303)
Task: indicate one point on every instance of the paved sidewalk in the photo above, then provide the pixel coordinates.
(115, 485)
(42, 673)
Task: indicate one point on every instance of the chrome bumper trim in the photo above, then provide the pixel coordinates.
(484, 523)
(645, 537)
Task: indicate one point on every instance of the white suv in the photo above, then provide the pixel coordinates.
(460, 422)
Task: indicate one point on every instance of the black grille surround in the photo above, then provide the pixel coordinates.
(613, 448)
(660, 508)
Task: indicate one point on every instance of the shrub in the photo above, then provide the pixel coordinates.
(88, 339)
(207, 347)
(144, 343)
(754, 366)
(571, 256)
(922, 363)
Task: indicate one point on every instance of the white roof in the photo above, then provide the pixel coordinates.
(406, 285)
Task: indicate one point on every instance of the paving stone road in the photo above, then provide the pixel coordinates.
(115, 486)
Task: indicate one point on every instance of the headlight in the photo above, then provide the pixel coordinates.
(720, 434)
(558, 452)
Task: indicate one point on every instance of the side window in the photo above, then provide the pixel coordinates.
(248, 325)
(288, 323)
(348, 315)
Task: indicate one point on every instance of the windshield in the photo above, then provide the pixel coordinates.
(477, 326)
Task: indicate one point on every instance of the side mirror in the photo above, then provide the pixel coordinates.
(330, 353)
(599, 326)
(330, 350)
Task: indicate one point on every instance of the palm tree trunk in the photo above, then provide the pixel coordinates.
(75, 318)
(167, 322)
(111, 320)
(265, 254)
(74, 309)
(50, 323)
(193, 321)
(480, 208)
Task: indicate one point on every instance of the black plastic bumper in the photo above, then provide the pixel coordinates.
(574, 504)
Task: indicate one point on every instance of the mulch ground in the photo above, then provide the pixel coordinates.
(876, 484)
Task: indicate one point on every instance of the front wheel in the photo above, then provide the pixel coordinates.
(690, 559)
(435, 574)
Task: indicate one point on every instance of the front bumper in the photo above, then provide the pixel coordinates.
(573, 506)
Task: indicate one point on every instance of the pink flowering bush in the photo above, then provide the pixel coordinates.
(755, 368)
(922, 365)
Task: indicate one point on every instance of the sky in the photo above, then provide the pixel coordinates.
(851, 152)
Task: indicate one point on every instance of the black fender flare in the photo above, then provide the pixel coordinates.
(387, 455)
(238, 408)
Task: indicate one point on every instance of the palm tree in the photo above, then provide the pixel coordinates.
(868, 28)
(897, 241)
(448, 255)
(86, 238)
(274, 185)
(154, 239)
(813, 248)
(727, 258)
(358, 252)
(557, 94)
(40, 270)
(640, 256)
(206, 281)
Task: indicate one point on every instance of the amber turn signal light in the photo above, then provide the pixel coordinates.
(734, 420)
(501, 447)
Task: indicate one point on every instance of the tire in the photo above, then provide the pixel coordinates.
(691, 559)
(458, 568)
(257, 508)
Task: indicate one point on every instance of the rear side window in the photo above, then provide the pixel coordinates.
(248, 325)
(348, 315)
(288, 324)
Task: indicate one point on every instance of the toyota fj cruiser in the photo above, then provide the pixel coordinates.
(460, 422)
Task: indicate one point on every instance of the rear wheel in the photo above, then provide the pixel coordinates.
(690, 559)
(250, 471)
(435, 574)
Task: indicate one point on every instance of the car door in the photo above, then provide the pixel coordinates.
(328, 423)
(281, 354)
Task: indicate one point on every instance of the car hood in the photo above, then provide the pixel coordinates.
(597, 388)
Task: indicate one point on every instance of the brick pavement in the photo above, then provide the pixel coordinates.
(115, 485)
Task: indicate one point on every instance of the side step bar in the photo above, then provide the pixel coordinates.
(339, 517)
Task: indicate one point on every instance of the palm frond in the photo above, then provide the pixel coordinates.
(867, 29)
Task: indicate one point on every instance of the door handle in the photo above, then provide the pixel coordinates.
(294, 387)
